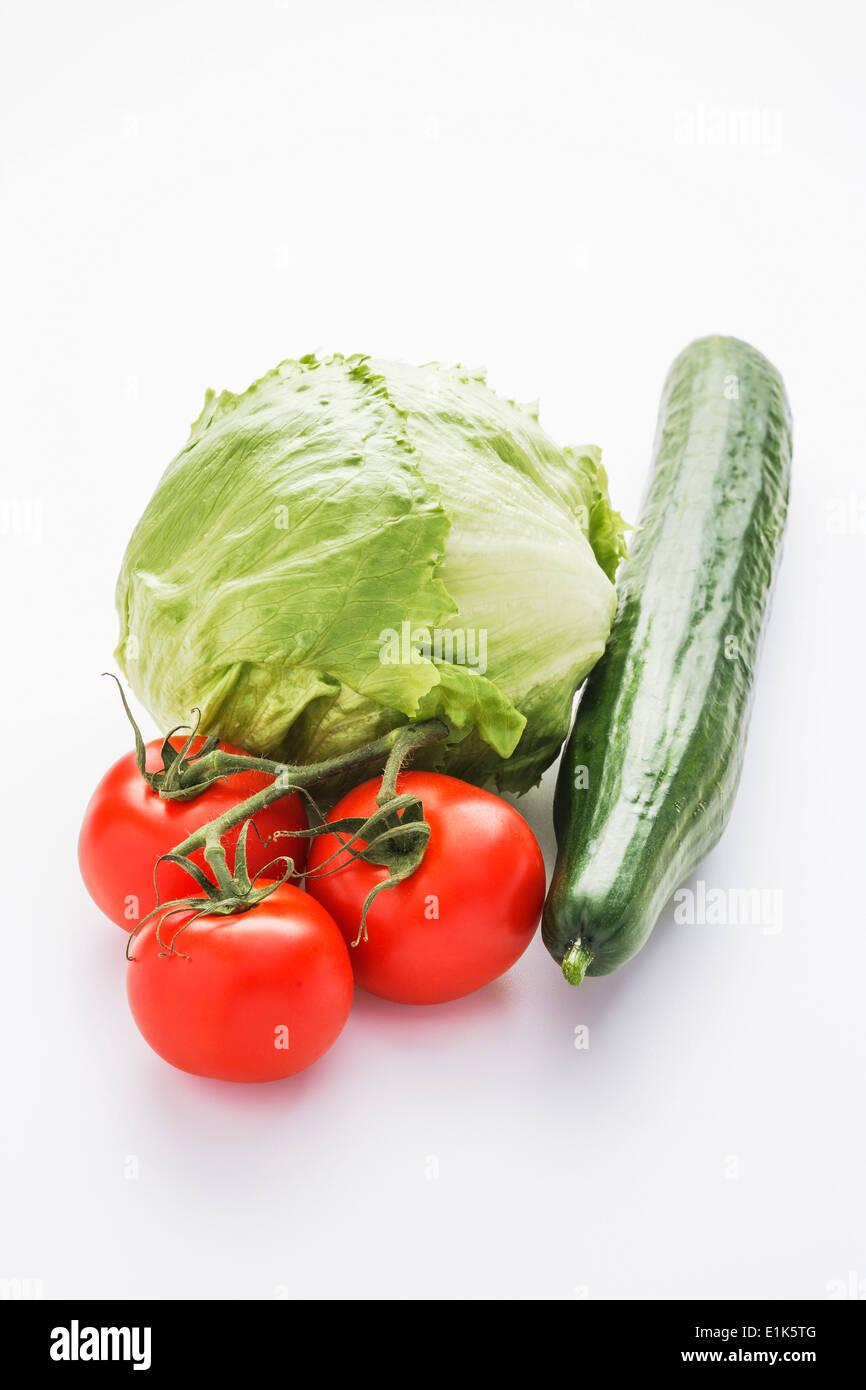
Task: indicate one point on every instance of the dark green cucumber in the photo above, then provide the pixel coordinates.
(649, 774)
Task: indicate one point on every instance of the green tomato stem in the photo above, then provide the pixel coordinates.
(397, 745)
(395, 836)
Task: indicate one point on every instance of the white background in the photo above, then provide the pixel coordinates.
(567, 193)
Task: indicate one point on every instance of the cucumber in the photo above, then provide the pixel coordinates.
(649, 774)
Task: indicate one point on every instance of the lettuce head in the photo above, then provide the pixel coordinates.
(353, 544)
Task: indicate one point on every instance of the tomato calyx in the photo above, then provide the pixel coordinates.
(185, 774)
(230, 893)
(400, 844)
(395, 837)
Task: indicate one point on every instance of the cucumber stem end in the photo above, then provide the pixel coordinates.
(576, 962)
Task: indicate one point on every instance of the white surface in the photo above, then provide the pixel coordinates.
(193, 192)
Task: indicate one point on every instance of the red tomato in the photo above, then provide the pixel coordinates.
(252, 997)
(463, 917)
(127, 827)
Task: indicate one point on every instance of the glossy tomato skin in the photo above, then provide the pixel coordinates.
(237, 989)
(462, 919)
(127, 827)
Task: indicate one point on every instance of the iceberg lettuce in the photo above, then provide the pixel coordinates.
(352, 544)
